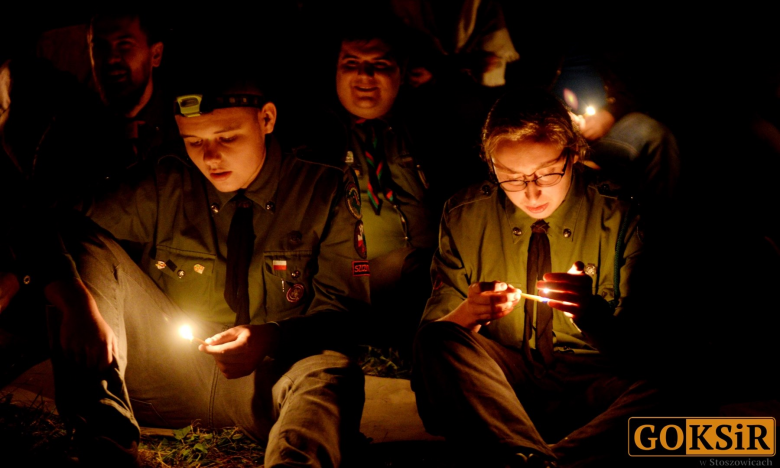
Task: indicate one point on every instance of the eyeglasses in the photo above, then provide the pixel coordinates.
(547, 180)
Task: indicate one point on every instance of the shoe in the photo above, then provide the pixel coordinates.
(532, 460)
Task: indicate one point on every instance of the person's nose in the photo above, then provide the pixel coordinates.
(532, 191)
(366, 69)
(114, 56)
(211, 154)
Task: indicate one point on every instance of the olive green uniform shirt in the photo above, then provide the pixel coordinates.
(485, 237)
(407, 223)
(302, 224)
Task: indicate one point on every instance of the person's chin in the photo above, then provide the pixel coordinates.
(223, 182)
(537, 211)
(365, 102)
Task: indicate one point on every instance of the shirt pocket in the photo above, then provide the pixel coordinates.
(185, 276)
(288, 287)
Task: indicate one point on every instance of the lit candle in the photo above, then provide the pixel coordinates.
(534, 297)
(590, 110)
(186, 332)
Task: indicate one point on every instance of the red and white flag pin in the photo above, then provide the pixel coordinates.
(280, 265)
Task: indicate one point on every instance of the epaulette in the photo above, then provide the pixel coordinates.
(609, 188)
(311, 155)
(174, 156)
(471, 194)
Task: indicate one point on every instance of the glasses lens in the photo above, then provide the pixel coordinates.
(513, 185)
(549, 179)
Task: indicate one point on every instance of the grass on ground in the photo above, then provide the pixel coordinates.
(37, 435)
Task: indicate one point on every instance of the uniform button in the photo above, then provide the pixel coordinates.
(567, 233)
(296, 273)
(214, 208)
(296, 238)
(486, 189)
(517, 231)
(26, 279)
(180, 273)
(270, 206)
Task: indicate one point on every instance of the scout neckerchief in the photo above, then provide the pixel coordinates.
(379, 178)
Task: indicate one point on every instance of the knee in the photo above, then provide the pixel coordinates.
(435, 337)
(92, 248)
(327, 368)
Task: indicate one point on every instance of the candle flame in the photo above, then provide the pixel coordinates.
(590, 110)
(186, 332)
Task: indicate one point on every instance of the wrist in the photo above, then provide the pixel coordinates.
(597, 314)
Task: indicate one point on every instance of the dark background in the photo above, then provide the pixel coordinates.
(701, 71)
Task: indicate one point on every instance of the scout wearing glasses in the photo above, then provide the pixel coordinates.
(283, 307)
(478, 335)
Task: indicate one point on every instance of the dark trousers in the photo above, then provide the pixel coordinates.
(483, 396)
(400, 287)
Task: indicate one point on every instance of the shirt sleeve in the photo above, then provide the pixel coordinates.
(128, 209)
(449, 274)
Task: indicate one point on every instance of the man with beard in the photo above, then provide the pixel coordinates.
(125, 48)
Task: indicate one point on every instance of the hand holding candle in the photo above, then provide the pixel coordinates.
(485, 301)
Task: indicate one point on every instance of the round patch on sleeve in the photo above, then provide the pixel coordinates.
(352, 197)
(360, 240)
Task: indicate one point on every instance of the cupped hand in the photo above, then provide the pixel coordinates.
(570, 292)
(597, 125)
(486, 301)
(239, 350)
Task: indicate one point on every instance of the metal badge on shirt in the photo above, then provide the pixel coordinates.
(295, 293)
(360, 240)
(353, 199)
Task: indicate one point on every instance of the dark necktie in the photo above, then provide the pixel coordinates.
(379, 179)
(240, 244)
(133, 130)
(539, 263)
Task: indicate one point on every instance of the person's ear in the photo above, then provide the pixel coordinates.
(267, 116)
(157, 53)
(577, 155)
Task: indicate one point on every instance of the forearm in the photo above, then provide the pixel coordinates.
(9, 286)
(70, 296)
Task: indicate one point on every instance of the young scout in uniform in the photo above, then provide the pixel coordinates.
(502, 373)
(256, 250)
(364, 130)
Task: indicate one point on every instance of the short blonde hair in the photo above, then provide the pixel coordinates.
(531, 114)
